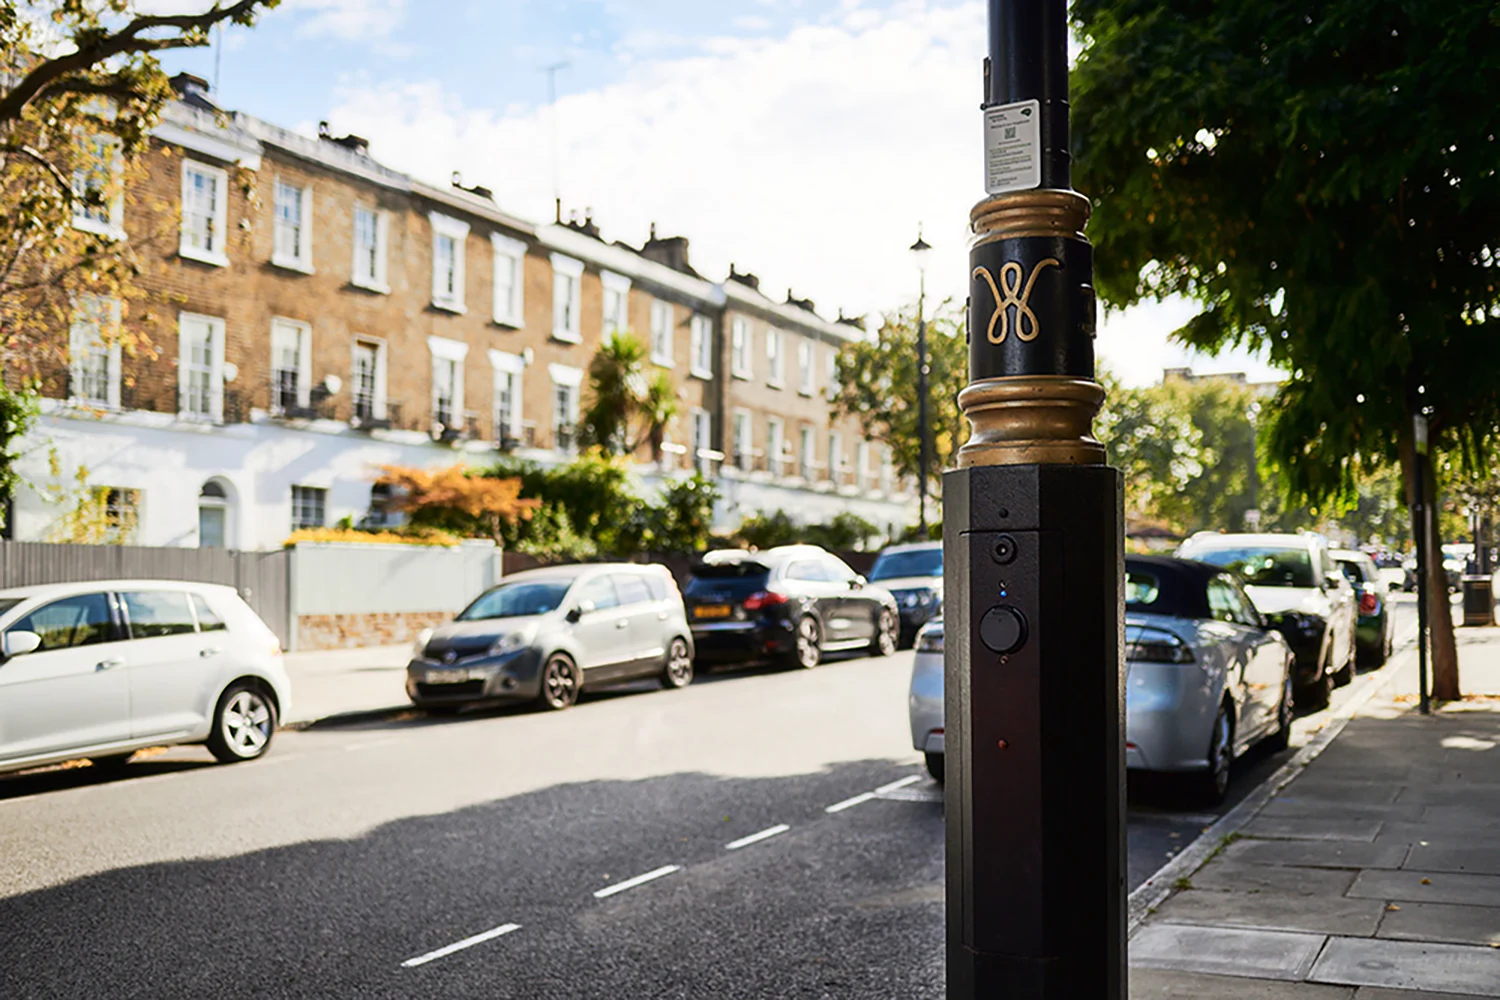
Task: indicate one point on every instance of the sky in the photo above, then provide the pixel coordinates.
(805, 141)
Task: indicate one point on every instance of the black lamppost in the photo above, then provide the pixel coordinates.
(1034, 569)
(920, 251)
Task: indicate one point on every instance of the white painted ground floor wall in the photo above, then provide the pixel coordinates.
(169, 460)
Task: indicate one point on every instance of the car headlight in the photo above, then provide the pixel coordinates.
(419, 647)
(930, 640)
(927, 597)
(511, 642)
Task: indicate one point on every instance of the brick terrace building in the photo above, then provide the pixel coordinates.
(319, 315)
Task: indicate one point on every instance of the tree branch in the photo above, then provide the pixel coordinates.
(35, 155)
(123, 42)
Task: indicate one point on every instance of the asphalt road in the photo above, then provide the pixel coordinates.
(759, 834)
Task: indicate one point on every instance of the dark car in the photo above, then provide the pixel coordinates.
(1375, 628)
(790, 604)
(913, 573)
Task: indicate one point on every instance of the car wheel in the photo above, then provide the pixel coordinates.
(1343, 675)
(887, 631)
(244, 724)
(935, 767)
(807, 651)
(560, 683)
(1213, 782)
(1281, 738)
(1320, 690)
(678, 672)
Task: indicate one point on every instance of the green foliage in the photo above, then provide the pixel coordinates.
(877, 383)
(845, 532)
(683, 519)
(1322, 181)
(617, 388)
(18, 412)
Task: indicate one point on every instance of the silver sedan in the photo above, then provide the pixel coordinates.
(1206, 677)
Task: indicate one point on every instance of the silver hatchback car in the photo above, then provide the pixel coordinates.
(545, 634)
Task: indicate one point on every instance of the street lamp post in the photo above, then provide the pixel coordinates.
(1034, 567)
(921, 251)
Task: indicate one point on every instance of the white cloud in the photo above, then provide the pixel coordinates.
(347, 19)
(808, 159)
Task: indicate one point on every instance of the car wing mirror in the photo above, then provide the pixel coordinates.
(857, 582)
(19, 643)
(573, 615)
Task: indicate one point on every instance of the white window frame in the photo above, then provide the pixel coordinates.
(804, 366)
(862, 464)
(567, 318)
(741, 342)
(322, 494)
(572, 378)
(835, 456)
(775, 446)
(509, 254)
(444, 226)
(616, 286)
(663, 326)
(448, 352)
(887, 470)
(85, 337)
(701, 347)
(215, 325)
(832, 392)
(301, 260)
(378, 393)
(512, 367)
(701, 433)
(217, 236)
(807, 453)
(775, 359)
(281, 329)
(114, 226)
(744, 440)
(379, 280)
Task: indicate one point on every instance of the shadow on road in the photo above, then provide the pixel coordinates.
(76, 774)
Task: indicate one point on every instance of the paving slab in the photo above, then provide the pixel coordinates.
(1311, 807)
(1156, 984)
(1455, 924)
(1282, 955)
(1322, 828)
(1382, 792)
(1428, 887)
(1399, 831)
(1239, 876)
(1410, 965)
(1327, 914)
(1379, 993)
(1472, 860)
(1317, 853)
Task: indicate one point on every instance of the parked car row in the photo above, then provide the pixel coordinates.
(1221, 643)
(544, 635)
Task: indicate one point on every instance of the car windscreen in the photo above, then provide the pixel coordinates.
(733, 580)
(1264, 566)
(913, 562)
(1356, 571)
(512, 600)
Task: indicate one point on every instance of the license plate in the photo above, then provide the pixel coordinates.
(711, 611)
(447, 676)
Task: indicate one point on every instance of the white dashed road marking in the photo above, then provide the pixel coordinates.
(910, 779)
(859, 799)
(756, 838)
(631, 883)
(468, 942)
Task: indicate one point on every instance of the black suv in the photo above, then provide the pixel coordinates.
(792, 603)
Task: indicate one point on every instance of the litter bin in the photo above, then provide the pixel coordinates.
(1479, 600)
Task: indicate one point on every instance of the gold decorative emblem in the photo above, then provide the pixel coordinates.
(1010, 293)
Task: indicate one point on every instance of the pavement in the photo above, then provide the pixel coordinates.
(340, 682)
(1373, 873)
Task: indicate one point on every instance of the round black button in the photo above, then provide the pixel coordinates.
(1003, 629)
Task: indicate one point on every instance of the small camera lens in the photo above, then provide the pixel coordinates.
(1005, 549)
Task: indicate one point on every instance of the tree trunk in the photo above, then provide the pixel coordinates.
(1439, 609)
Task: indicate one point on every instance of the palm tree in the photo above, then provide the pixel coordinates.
(616, 387)
(657, 408)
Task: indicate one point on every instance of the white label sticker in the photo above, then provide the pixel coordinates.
(1013, 147)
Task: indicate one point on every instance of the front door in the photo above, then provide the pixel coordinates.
(73, 692)
(647, 621)
(171, 667)
(812, 579)
(860, 609)
(603, 630)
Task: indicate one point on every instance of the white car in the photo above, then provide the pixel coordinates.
(926, 699)
(105, 668)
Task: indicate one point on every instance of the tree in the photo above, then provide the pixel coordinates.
(657, 409)
(617, 389)
(456, 499)
(18, 412)
(877, 385)
(1321, 180)
(80, 91)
